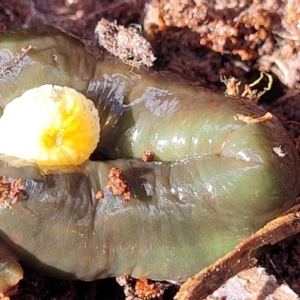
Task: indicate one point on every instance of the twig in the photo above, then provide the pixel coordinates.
(12, 64)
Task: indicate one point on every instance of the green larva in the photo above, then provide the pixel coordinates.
(213, 183)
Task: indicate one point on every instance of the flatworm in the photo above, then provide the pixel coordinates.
(214, 180)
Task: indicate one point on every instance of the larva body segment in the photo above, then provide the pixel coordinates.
(216, 182)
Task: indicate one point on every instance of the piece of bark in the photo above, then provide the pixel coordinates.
(253, 284)
(211, 278)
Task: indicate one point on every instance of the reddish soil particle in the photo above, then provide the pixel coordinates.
(10, 190)
(117, 184)
(148, 156)
(135, 289)
(146, 289)
(99, 195)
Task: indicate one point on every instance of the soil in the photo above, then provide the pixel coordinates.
(201, 42)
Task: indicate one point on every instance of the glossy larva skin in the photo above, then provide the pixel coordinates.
(218, 180)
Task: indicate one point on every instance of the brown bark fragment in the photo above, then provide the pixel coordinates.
(126, 43)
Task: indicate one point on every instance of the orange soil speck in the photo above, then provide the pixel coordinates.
(99, 195)
(10, 190)
(148, 156)
(117, 184)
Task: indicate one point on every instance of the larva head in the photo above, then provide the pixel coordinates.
(51, 126)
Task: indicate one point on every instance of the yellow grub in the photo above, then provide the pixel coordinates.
(50, 125)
